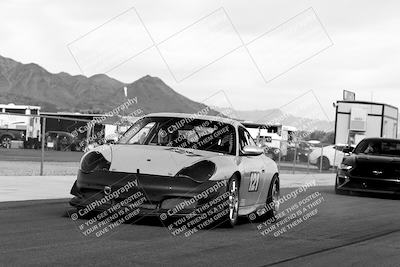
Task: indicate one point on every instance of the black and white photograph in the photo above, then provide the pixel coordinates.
(199, 133)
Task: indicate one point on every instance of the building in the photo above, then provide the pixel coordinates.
(356, 120)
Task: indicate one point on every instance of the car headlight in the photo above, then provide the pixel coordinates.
(94, 161)
(345, 166)
(199, 172)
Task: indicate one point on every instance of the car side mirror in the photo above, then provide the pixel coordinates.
(252, 151)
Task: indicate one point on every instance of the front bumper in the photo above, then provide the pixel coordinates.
(152, 195)
(345, 181)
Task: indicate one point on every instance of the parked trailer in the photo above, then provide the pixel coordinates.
(356, 120)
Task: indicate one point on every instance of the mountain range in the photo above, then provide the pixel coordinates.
(30, 84)
(277, 116)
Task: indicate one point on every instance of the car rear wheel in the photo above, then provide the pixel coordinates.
(6, 141)
(273, 197)
(231, 218)
(325, 163)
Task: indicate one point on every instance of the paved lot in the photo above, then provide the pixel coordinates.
(17, 188)
(30, 168)
(34, 155)
(347, 230)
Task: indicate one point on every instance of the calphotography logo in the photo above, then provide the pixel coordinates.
(105, 212)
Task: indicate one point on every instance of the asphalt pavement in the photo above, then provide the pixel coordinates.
(339, 230)
(31, 187)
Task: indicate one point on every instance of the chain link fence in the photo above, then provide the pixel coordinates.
(303, 157)
(59, 148)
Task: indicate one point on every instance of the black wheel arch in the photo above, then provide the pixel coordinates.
(7, 134)
(237, 174)
(274, 177)
(323, 158)
(277, 177)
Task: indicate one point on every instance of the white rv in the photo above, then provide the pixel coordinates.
(16, 124)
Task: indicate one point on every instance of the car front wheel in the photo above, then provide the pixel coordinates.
(231, 218)
(272, 202)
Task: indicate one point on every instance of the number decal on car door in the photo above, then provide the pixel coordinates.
(254, 181)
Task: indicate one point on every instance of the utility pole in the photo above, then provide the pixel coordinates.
(43, 135)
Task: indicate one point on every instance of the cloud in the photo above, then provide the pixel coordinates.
(364, 57)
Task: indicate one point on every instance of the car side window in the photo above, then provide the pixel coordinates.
(243, 141)
(250, 139)
(142, 135)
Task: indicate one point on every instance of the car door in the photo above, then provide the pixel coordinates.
(253, 171)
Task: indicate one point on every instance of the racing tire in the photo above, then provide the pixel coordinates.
(231, 218)
(272, 200)
(325, 163)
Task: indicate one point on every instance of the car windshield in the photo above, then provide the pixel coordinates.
(182, 133)
(378, 147)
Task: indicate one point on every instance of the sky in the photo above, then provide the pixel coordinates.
(246, 55)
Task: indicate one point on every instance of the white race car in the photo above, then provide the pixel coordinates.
(331, 156)
(181, 163)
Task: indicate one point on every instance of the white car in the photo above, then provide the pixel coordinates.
(173, 160)
(331, 156)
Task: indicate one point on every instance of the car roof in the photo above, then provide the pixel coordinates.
(196, 116)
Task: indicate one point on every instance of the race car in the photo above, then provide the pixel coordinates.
(182, 164)
(373, 166)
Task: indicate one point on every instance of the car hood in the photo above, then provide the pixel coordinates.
(374, 165)
(156, 160)
(380, 159)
